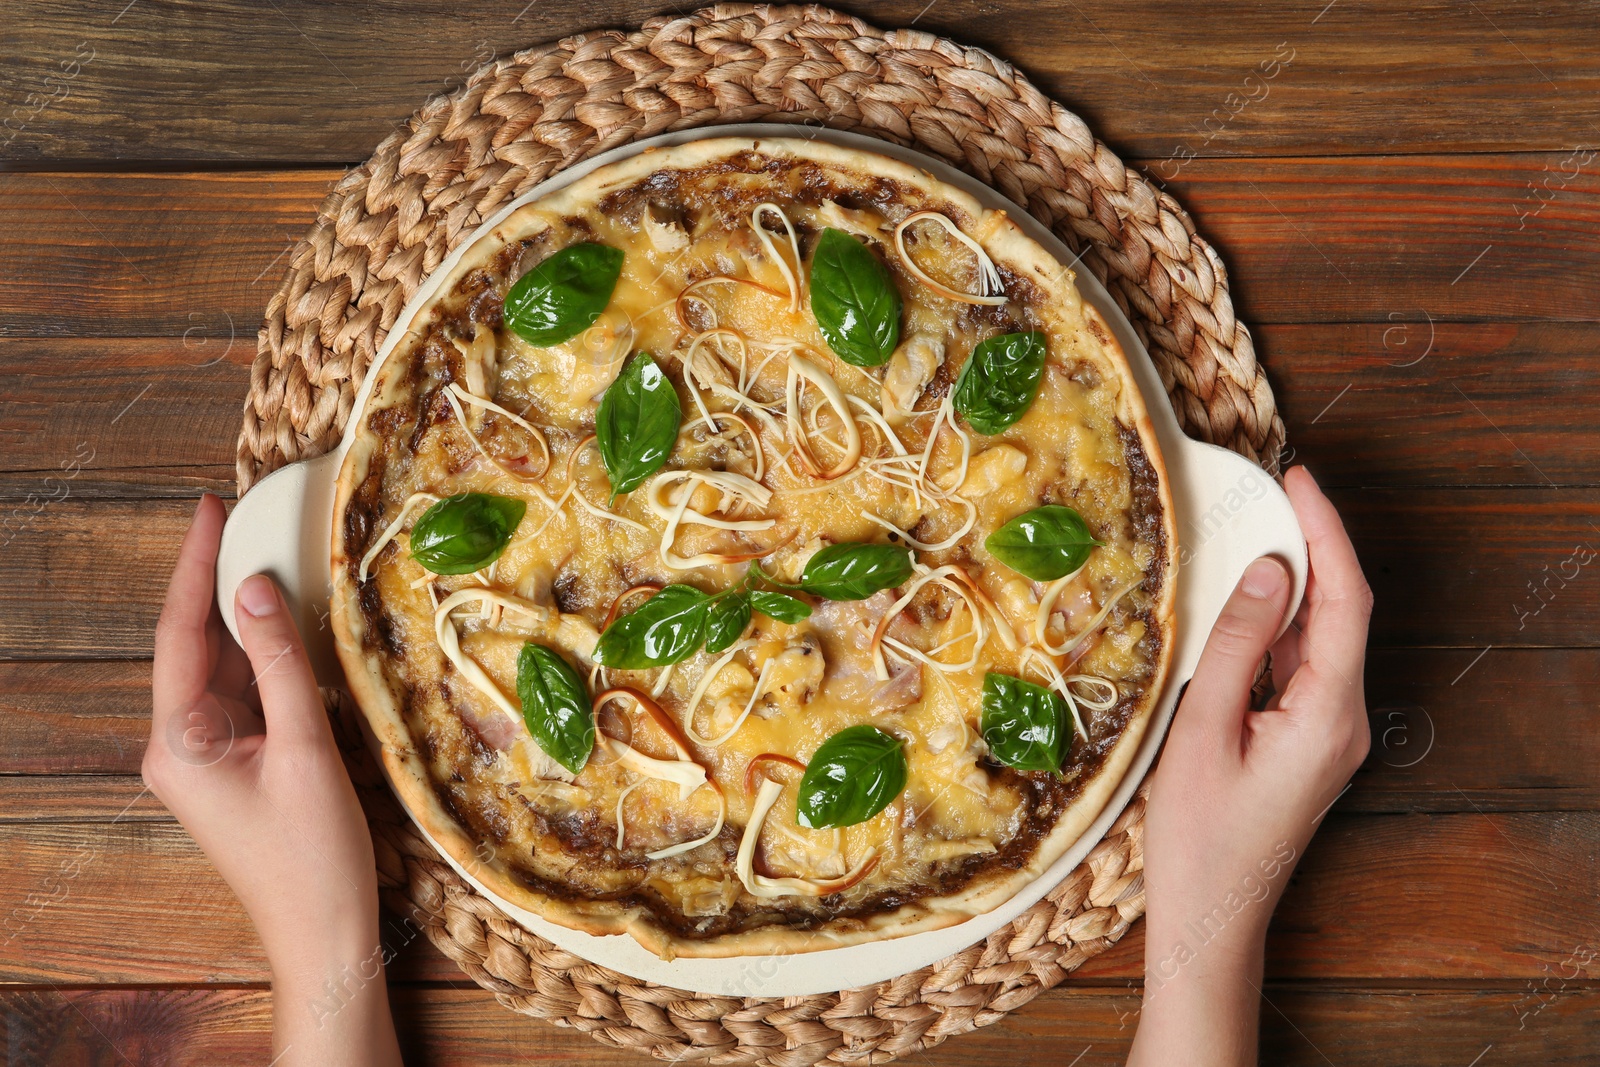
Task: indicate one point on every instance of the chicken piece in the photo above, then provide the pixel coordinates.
(992, 469)
(911, 368)
(664, 230)
(861, 223)
(480, 365)
(962, 747)
(794, 676)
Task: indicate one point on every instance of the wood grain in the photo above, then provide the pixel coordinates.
(1442, 739)
(82, 717)
(198, 255)
(447, 1027)
(326, 82)
(1449, 567)
(1377, 897)
(156, 416)
(1409, 402)
(1411, 227)
(99, 417)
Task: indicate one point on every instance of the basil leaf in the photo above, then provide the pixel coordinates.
(564, 294)
(555, 705)
(853, 776)
(1024, 725)
(667, 628)
(726, 618)
(462, 533)
(779, 606)
(1045, 544)
(854, 571)
(637, 424)
(1000, 380)
(854, 300)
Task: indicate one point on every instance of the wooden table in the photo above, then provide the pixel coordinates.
(1409, 205)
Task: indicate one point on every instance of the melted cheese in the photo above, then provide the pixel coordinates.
(914, 472)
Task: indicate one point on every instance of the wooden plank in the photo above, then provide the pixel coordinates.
(90, 418)
(1318, 240)
(1459, 568)
(200, 254)
(131, 255)
(321, 82)
(1478, 567)
(1368, 404)
(71, 887)
(1392, 897)
(1408, 402)
(446, 1027)
(1513, 730)
(1447, 733)
(82, 717)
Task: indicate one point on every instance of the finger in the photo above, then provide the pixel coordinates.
(290, 702)
(1219, 693)
(183, 655)
(1286, 650)
(1336, 631)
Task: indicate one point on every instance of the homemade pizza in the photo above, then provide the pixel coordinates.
(755, 546)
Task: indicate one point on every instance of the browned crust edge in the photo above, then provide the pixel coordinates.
(372, 691)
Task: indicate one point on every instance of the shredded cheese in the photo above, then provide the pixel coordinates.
(710, 420)
(591, 508)
(936, 546)
(1031, 655)
(1047, 603)
(450, 644)
(767, 247)
(759, 885)
(978, 634)
(455, 392)
(803, 370)
(392, 529)
(734, 487)
(991, 290)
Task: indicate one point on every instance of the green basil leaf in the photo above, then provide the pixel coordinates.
(854, 775)
(637, 424)
(1024, 725)
(779, 606)
(1045, 544)
(854, 571)
(555, 705)
(564, 294)
(462, 533)
(726, 618)
(667, 628)
(854, 300)
(999, 382)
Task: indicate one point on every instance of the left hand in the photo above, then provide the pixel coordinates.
(242, 753)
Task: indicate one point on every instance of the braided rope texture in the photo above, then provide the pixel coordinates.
(390, 222)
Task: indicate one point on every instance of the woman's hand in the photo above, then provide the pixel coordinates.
(1238, 793)
(242, 753)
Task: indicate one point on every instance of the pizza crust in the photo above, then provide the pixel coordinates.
(382, 705)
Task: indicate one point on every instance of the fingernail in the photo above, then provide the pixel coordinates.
(1264, 579)
(257, 596)
(1308, 474)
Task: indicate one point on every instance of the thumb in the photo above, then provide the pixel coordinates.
(290, 702)
(1219, 692)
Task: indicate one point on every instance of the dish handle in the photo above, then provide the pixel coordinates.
(1229, 512)
(283, 527)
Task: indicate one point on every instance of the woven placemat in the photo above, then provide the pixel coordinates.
(390, 222)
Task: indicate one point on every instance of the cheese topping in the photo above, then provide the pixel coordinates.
(783, 449)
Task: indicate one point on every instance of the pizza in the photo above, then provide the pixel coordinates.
(754, 546)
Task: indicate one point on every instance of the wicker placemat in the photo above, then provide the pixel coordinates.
(389, 223)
